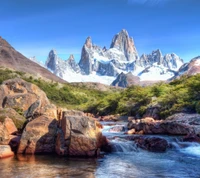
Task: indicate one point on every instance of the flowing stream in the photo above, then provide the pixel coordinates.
(182, 160)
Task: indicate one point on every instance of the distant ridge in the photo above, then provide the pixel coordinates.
(10, 58)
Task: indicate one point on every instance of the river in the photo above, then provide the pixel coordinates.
(127, 160)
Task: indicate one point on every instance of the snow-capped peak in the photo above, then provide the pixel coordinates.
(98, 63)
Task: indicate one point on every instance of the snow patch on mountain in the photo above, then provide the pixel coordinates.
(156, 73)
(138, 70)
(102, 59)
(197, 62)
(94, 77)
(104, 65)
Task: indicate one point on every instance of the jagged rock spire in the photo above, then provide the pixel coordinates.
(52, 60)
(125, 44)
(88, 42)
(71, 57)
(86, 59)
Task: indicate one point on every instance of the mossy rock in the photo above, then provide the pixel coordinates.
(12, 114)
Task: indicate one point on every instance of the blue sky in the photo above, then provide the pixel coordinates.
(34, 27)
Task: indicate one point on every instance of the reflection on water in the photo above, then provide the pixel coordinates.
(47, 166)
(127, 161)
(133, 164)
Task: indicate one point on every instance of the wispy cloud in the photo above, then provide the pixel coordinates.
(149, 2)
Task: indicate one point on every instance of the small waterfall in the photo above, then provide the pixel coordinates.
(120, 145)
(115, 137)
(191, 148)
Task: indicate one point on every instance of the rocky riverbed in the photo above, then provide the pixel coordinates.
(78, 145)
(126, 159)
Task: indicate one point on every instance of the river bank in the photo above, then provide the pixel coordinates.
(126, 160)
(75, 144)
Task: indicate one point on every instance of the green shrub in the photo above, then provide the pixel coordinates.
(180, 95)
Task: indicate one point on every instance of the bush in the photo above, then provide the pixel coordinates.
(180, 95)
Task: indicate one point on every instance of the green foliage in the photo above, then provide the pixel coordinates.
(18, 119)
(180, 95)
(159, 89)
(107, 105)
(6, 74)
(67, 95)
(19, 111)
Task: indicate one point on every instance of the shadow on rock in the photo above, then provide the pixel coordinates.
(39, 136)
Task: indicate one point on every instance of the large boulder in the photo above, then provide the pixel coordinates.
(72, 113)
(79, 135)
(177, 124)
(47, 129)
(74, 134)
(139, 124)
(183, 123)
(7, 127)
(192, 138)
(19, 98)
(17, 119)
(154, 144)
(4, 135)
(5, 151)
(153, 111)
(130, 132)
(118, 128)
(109, 118)
(25, 97)
(10, 126)
(8, 133)
(39, 136)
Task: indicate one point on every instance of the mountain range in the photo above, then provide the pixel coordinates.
(104, 65)
(120, 65)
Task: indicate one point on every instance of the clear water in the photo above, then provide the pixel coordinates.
(127, 160)
(47, 166)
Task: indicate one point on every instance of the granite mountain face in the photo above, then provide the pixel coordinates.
(59, 66)
(109, 62)
(158, 67)
(104, 65)
(170, 61)
(120, 65)
(190, 68)
(125, 44)
(126, 80)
